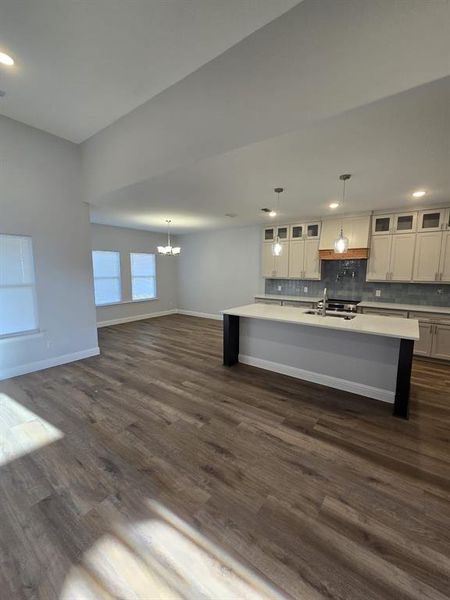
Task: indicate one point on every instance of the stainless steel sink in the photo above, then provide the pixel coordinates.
(331, 314)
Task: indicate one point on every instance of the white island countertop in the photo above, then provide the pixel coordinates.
(392, 327)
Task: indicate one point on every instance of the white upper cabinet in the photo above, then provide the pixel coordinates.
(427, 256)
(378, 265)
(395, 223)
(356, 229)
(304, 262)
(269, 234)
(302, 231)
(432, 220)
(275, 266)
(402, 257)
(312, 262)
(382, 224)
(444, 268)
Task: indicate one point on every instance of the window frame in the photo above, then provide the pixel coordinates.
(154, 276)
(32, 286)
(119, 277)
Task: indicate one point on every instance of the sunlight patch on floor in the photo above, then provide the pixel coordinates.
(162, 558)
(22, 431)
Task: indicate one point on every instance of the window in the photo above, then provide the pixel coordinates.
(107, 285)
(18, 310)
(143, 276)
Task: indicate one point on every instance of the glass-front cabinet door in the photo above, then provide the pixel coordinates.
(313, 231)
(405, 222)
(381, 224)
(297, 232)
(432, 220)
(269, 234)
(282, 232)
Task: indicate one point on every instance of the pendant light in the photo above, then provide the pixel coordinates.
(341, 244)
(277, 248)
(169, 250)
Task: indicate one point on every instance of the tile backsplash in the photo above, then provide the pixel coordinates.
(346, 279)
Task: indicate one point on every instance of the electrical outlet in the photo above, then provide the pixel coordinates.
(377, 293)
(279, 288)
(305, 289)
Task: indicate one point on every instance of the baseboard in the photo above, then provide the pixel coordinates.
(333, 382)
(193, 313)
(47, 363)
(161, 313)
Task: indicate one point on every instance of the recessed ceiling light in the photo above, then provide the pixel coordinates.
(419, 194)
(6, 60)
(272, 213)
(334, 205)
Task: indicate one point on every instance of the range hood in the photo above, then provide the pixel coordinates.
(357, 230)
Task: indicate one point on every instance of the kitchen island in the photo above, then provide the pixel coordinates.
(369, 355)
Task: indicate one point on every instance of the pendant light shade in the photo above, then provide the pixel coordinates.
(341, 243)
(277, 247)
(169, 250)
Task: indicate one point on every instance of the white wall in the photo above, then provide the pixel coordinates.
(40, 196)
(125, 240)
(219, 269)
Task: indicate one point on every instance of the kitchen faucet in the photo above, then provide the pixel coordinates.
(324, 302)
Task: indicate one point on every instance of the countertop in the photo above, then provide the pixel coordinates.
(445, 310)
(392, 327)
(289, 298)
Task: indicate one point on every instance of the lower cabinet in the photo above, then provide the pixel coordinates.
(423, 346)
(441, 342)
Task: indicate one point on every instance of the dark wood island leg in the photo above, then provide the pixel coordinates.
(230, 340)
(405, 357)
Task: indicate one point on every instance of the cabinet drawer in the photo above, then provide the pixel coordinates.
(386, 312)
(425, 317)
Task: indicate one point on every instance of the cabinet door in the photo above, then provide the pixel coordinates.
(378, 265)
(427, 256)
(296, 259)
(381, 224)
(269, 234)
(282, 262)
(313, 231)
(441, 342)
(312, 261)
(432, 220)
(402, 257)
(405, 223)
(283, 232)
(267, 261)
(444, 268)
(297, 232)
(422, 347)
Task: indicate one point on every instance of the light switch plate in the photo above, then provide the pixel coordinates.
(377, 293)
(305, 289)
(279, 288)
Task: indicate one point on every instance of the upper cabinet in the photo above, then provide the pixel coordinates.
(356, 229)
(304, 262)
(394, 223)
(275, 266)
(391, 258)
(305, 231)
(433, 220)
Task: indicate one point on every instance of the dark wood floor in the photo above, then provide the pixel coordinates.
(174, 477)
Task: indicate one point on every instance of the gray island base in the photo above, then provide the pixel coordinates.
(369, 355)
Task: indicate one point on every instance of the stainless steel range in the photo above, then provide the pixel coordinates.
(338, 305)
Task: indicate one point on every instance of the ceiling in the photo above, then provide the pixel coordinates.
(392, 147)
(80, 65)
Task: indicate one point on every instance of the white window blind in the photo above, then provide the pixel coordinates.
(107, 284)
(143, 276)
(18, 310)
